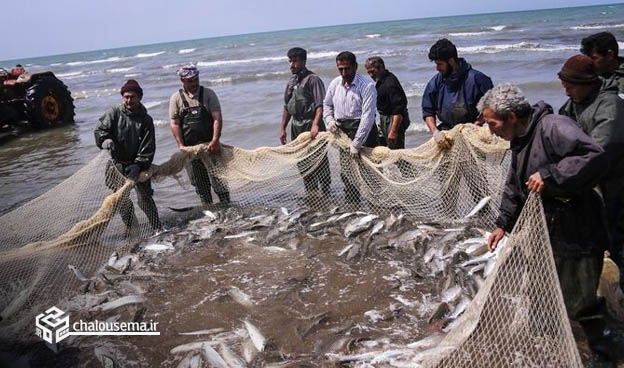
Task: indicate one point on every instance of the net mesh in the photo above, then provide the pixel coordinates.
(517, 319)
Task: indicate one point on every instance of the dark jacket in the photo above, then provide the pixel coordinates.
(391, 99)
(453, 99)
(132, 133)
(601, 116)
(570, 164)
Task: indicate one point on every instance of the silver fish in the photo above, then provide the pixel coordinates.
(477, 260)
(212, 357)
(356, 226)
(193, 346)
(113, 258)
(284, 211)
(459, 308)
(105, 357)
(210, 215)
(450, 295)
(249, 350)
(478, 207)
(240, 297)
(231, 358)
(125, 300)
(79, 275)
(377, 228)
(476, 268)
(477, 249)
(211, 331)
(256, 336)
(489, 266)
(345, 250)
(241, 235)
(15, 304)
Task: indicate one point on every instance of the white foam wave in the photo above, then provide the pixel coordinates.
(241, 61)
(131, 75)
(144, 55)
(159, 122)
(185, 51)
(225, 80)
(374, 35)
(418, 127)
(71, 74)
(262, 75)
(56, 64)
(111, 59)
(466, 34)
(621, 45)
(416, 90)
(169, 66)
(597, 26)
(120, 70)
(149, 105)
(522, 46)
(497, 28)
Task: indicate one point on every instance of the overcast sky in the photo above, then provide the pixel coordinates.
(49, 27)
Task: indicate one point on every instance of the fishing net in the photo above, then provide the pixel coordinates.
(517, 318)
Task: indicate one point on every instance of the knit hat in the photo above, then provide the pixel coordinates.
(188, 72)
(132, 86)
(578, 69)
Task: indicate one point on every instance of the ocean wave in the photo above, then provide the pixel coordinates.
(322, 55)
(312, 55)
(522, 46)
(466, 34)
(144, 55)
(111, 59)
(417, 126)
(56, 64)
(169, 66)
(497, 28)
(71, 74)
(160, 122)
(149, 105)
(131, 75)
(415, 90)
(621, 44)
(597, 26)
(120, 70)
(374, 35)
(220, 81)
(185, 51)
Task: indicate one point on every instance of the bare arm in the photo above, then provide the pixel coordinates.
(431, 123)
(318, 114)
(176, 130)
(214, 145)
(394, 127)
(284, 124)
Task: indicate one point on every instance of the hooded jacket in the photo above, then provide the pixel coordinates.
(132, 132)
(570, 164)
(601, 116)
(453, 99)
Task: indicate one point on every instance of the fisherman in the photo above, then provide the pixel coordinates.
(391, 104)
(603, 48)
(451, 96)
(195, 118)
(303, 102)
(350, 105)
(127, 132)
(599, 111)
(553, 157)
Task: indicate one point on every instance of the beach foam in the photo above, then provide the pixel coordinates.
(374, 35)
(120, 70)
(521, 46)
(597, 26)
(111, 59)
(144, 55)
(71, 74)
(466, 34)
(497, 28)
(185, 51)
(149, 105)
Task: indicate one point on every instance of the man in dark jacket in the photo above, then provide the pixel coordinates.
(451, 96)
(195, 118)
(603, 48)
(391, 104)
(599, 111)
(127, 132)
(303, 104)
(553, 157)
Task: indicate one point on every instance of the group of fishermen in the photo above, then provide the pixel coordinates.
(574, 160)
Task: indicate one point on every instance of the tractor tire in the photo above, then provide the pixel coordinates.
(48, 103)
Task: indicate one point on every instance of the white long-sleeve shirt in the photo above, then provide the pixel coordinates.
(355, 101)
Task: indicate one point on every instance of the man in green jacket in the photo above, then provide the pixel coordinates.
(127, 132)
(599, 111)
(602, 48)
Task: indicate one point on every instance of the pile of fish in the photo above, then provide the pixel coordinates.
(287, 287)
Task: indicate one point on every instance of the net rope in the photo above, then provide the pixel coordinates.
(518, 317)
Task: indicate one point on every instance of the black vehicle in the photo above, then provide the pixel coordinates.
(33, 101)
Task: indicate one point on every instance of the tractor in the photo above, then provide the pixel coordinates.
(33, 100)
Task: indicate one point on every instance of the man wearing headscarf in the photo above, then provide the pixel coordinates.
(127, 132)
(195, 118)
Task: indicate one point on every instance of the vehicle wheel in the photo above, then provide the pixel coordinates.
(48, 103)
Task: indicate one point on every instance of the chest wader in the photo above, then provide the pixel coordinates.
(349, 167)
(197, 127)
(315, 167)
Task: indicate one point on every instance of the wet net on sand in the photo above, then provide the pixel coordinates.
(517, 318)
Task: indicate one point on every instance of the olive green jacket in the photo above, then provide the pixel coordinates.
(601, 116)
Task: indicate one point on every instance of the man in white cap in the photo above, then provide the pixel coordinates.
(195, 118)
